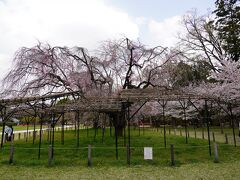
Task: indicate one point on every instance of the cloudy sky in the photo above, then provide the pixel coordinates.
(88, 22)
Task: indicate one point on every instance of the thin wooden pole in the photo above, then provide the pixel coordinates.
(89, 156)
(216, 153)
(128, 154)
(40, 136)
(207, 121)
(50, 155)
(78, 128)
(172, 155)
(34, 129)
(185, 120)
(233, 123)
(53, 132)
(129, 131)
(62, 130)
(27, 128)
(116, 136)
(40, 140)
(11, 153)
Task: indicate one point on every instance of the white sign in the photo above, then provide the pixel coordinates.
(148, 153)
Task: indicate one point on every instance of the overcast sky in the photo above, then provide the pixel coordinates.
(88, 22)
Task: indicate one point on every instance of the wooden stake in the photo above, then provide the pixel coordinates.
(216, 153)
(11, 153)
(50, 155)
(172, 155)
(226, 138)
(89, 156)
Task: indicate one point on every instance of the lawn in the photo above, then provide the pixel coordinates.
(24, 127)
(192, 159)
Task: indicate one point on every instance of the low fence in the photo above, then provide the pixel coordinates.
(148, 156)
(91, 155)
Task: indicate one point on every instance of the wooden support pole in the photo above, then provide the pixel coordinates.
(213, 135)
(233, 124)
(164, 124)
(110, 128)
(124, 136)
(24, 135)
(221, 124)
(203, 133)
(50, 155)
(11, 153)
(129, 132)
(128, 154)
(207, 121)
(87, 131)
(216, 153)
(78, 128)
(40, 137)
(27, 129)
(62, 130)
(226, 138)
(139, 128)
(89, 156)
(172, 155)
(116, 141)
(53, 139)
(195, 133)
(103, 133)
(185, 120)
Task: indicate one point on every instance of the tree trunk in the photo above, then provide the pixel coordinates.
(118, 122)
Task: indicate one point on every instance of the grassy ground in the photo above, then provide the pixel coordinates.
(203, 134)
(192, 159)
(24, 127)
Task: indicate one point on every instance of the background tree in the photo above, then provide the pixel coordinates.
(201, 42)
(43, 69)
(227, 23)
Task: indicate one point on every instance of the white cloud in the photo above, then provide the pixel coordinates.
(164, 32)
(59, 22)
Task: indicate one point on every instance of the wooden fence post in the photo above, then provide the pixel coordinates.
(11, 153)
(226, 138)
(213, 135)
(89, 156)
(128, 154)
(216, 153)
(50, 155)
(202, 133)
(172, 155)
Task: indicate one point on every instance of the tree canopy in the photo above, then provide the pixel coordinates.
(227, 23)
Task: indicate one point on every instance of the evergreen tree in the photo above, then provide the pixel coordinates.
(228, 26)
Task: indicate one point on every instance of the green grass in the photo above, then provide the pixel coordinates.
(192, 159)
(24, 127)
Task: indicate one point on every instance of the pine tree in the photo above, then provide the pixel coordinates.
(228, 26)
